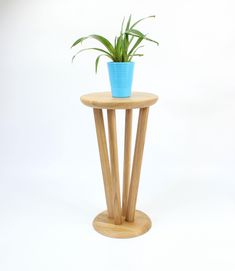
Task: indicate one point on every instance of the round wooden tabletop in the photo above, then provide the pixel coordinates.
(104, 100)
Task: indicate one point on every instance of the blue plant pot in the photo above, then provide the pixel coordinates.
(121, 77)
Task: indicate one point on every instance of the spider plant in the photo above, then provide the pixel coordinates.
(125, 46)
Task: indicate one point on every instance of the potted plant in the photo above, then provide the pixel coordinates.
(121, 53)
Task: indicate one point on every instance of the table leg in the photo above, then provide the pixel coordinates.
(100, 131)
(127, 160)
(114, 166)
(137, 161)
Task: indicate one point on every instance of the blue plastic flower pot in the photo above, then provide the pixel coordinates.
(121, 77)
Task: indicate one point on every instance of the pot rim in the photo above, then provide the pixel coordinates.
(121, 63)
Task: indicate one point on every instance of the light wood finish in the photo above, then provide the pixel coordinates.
(137, 161)
(105, 100)
(106, 226)
(104, 160)
(120, 221)
(127, 160)
(114, 166)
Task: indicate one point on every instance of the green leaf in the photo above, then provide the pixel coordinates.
(99, 38)
(80, 40)
(122, 26)
(118, 49)
(124, 50)
(152, 16)
(137, 49)
(96, 49)
(135, 55)
(138, 34)
(131, 39)
(128, 23)
(139, 40)
(97, 61)
(130, 55)
(126, 40)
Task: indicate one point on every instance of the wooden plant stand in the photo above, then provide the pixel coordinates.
(120, 220)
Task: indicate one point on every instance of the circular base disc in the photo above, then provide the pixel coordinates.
(105, 225)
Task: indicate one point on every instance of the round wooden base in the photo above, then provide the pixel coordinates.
(106, 226)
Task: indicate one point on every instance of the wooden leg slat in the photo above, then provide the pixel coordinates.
(104, 159)
(113, 147)
(137, 161)
(127, 160)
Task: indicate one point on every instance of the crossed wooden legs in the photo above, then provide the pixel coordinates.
(110, 167)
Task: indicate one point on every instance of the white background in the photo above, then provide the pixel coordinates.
(50, 177)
